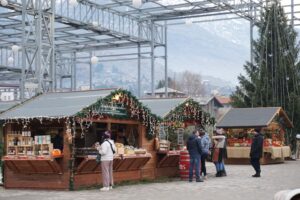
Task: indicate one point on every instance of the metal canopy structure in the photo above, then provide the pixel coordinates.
(42, 41)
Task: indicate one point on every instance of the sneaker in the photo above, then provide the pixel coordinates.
(199, 180)
(104, 189)
(205, 177)
(110, 187)
(190, 180)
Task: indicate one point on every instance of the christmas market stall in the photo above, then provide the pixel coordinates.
(49, 139)
(180, 116)
(4, 105)
(238, 124)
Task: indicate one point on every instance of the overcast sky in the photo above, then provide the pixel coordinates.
(221, 53)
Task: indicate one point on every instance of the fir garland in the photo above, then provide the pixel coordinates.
(118, 100)
(189, 110)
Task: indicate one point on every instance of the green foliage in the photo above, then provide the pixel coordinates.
(274, 77)
(190, 110)
(171, 83)
(134, 108)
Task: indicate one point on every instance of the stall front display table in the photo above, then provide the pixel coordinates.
(272, 154)
(121, 163)
(168, 158)
(238, 152)
(286, 151)
(33, 164)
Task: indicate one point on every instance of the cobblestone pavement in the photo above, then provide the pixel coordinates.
(237, 185)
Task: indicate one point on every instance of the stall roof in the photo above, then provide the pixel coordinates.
(252, 117)
(162, 106)
(53, 105)
(5, 105)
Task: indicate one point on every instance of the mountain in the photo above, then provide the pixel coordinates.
(216, 48)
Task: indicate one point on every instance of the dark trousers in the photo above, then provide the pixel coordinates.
(194, 165)
(203, 166)
(256, 165)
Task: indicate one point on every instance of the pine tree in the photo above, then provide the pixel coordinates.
(273, 78)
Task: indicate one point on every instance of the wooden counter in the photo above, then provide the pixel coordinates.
(167, 163)
(33, 164)
(88, 164)
(168, 158)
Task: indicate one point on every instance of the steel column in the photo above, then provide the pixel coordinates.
(166, 60)
(91, 72)
(152, 58)
(139, 63)
(73, 72)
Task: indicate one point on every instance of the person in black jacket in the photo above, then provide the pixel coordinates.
(194, 148)
(256, 151)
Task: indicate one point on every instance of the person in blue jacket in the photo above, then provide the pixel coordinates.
(194, 149)
(206, 145)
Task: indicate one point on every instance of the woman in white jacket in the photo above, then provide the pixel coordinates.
(107, 150)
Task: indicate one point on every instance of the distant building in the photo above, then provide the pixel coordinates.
(210, 105)
(160, 93)
(9, 92)
(84, 87)
(226, 102)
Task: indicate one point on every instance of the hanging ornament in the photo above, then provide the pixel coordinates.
(10, 60)
(73, 2)
(137, 3)
(189, 21)
(94, 23)
(15, 48)
(4, 2)
(94, 60)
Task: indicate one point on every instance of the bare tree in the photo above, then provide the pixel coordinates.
(190, 83)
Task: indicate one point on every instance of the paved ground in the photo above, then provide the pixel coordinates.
(237, 185)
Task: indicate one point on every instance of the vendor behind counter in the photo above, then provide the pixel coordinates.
(57, 140)
(121, 137)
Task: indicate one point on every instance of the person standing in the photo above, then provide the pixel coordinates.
(107, 150)
(219, 153)
(256, 151)
(205, 144)
(194, 149)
